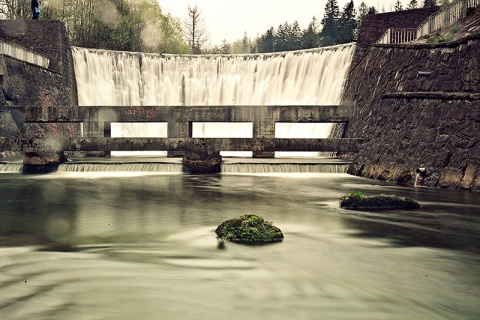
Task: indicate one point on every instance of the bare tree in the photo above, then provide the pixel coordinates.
(195, 30)
(15, 9)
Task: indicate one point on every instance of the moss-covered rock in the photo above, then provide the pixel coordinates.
(249, 229)
(358, 201)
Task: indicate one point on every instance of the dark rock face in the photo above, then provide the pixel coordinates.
(202, 162)
(408, 120)
(249, 229)
(355, 201)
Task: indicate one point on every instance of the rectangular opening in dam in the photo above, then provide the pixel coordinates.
(139, 130)
(224, 130)
(301, 130)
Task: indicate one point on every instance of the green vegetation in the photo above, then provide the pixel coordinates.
(356, 200)
(249, 229)
(118, 25)
(337, 27)
(449, 34)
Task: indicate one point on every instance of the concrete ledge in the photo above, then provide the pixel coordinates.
(23, 54)
(206, 144)
(432, 95)
(327, 113)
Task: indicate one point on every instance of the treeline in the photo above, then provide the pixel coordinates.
(336, 27)
(109, 24)
(141, 25)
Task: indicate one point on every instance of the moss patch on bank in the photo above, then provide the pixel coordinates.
(249, 229)
(356, 200)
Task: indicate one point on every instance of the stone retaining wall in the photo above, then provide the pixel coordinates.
(418, 106)
(26, 85)
(374, 26)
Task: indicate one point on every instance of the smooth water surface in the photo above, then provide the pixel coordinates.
(136, 246)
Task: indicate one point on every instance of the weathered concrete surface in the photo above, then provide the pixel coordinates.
(410, 120)
(26, 85)
(195, 144)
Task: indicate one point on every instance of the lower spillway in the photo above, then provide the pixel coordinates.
(174, 165)
(229, 165)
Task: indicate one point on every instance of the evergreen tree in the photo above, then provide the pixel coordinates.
(295, 37)
(310, 38)
(348, 23)
(429, 3)
(362, 12)
(266, 42)
(281, 39)
(398, 6)
(225, 47)
(328, 35)
(412, 4)
(373, 10)
(246, 43)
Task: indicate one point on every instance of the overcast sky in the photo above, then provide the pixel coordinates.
(229, 19)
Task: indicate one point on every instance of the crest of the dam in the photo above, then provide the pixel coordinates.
(390, 103)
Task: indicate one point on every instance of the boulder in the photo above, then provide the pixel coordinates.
(249, 229)
(358, 201)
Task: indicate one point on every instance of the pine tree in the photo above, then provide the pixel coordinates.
(266, 42)
(348, 23)
(429, 3)
(310, 37)
(328, 35)
(398, 6)
(246, 43)
(412, 4)
(372, 10)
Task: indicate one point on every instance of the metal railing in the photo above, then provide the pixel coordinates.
(23, 54)
(446, 16)
(398, 35)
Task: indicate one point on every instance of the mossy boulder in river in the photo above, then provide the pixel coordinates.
(249, 229)
(358, 201)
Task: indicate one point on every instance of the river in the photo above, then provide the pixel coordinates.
(142, 246)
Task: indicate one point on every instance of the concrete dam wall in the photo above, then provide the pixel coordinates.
(415, 106)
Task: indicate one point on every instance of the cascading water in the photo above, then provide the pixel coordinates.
(306, 77)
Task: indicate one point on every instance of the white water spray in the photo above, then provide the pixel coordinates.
(306, 77)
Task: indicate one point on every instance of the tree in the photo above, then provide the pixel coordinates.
(372, 10)
(195, 30)
(310, 38)
(266, 42)
(328, 35)
(118, 25)
(15, 9)
(429, 3)
(398, 6)
(225, 48)
(412, 4)
(246, 43)
(362, 12)
(347, 24)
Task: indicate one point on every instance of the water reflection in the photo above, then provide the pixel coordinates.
(143, 247)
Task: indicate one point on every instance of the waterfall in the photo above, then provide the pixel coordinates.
(305, 77)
